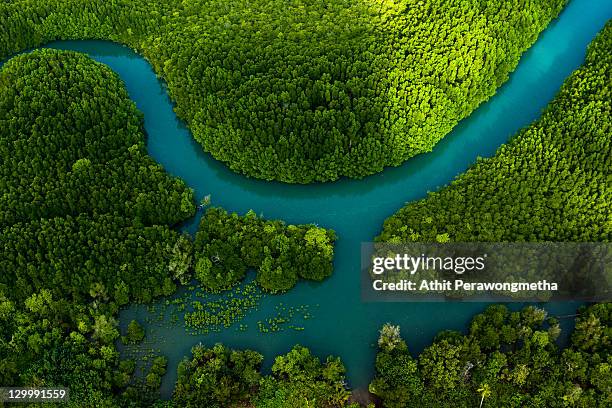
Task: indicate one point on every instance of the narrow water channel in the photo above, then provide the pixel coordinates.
(342, 324)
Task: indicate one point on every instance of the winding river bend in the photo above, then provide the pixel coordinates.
(342, 324)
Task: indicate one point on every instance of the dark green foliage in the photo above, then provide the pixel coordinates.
(295, 91)
(593, 333)
(306, 90)
(220, 377)
(86, 258)
(156, 372)
(217, 377)
(68, 134)
(226, 245)
(135, 332)
(82, 198)
(50, 341)
(299, 379)
(550, 183)
(397, 379)
(181, 260)
(507, 359)
(84, 226)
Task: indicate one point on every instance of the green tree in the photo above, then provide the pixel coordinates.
(135, 332)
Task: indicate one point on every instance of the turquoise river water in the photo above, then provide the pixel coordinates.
(342, 324)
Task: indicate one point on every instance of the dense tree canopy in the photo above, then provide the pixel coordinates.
(551, 182)
(218, 377)
(81, 199)
(294, 91)
(85, 221)
(226, 245)
(299, 379)
(507, 359)
(84, 227)
(72, 143)
(102, 257)
(306, 90)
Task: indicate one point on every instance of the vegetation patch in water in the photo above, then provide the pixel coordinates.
(285, 318)
(214, 315)
(227, 245)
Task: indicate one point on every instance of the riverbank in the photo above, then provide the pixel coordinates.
(355, 209)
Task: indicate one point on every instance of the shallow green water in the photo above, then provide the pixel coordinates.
(342, 324)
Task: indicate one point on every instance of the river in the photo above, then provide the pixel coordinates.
(343, 325)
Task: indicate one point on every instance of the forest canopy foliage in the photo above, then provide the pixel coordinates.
(81, 198)
(227, 245)
(551, 182)
(295, 91)
(72, 142)
(218, 377)
(85, 229)
(507, 359)
(85, 220)
(304, 91)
